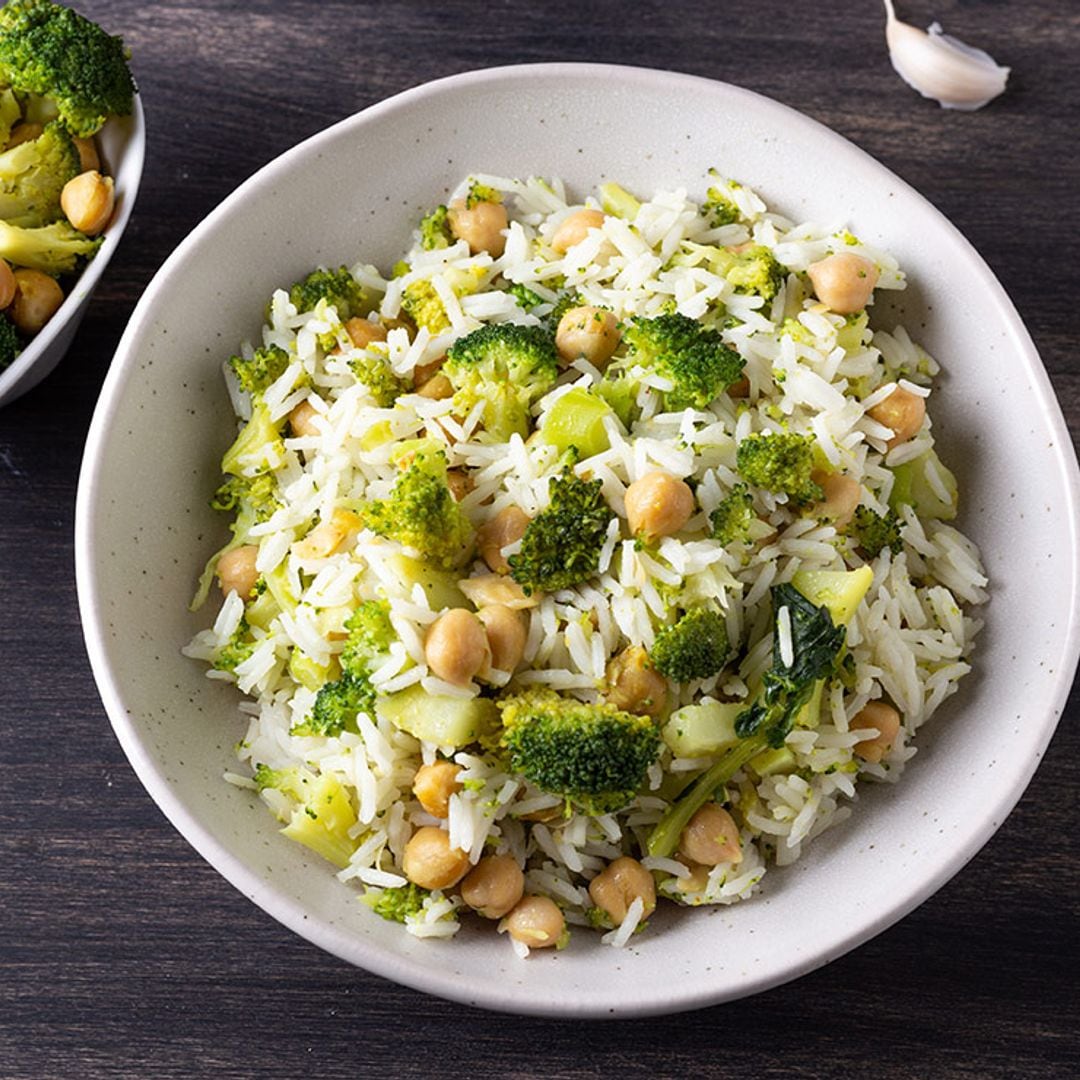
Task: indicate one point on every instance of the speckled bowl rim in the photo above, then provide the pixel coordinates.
(443, 983)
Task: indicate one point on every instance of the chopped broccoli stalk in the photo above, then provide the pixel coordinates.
(506, 366)
(873, 532)
(449, 722)
(370, 634)
(258, 447)
(307, 672)
(398, 902)
(840, 591)
(732, 518)
(912, 486)
(10, 114)
(338, 288)
(617, 201)
(32, 176)
(561, 545)
(337, 705)
(323, 821)
(702, 730)
(695, 359)
(266, 366)
(525, 297)
(377, 375)
(10, 345)
(236, 650)
(695, 647)
(595, 756)
(576, 421)
(754, 271)
(782, 463)
(422, 514)
(52, 249)
(51, 50)
(620, 391)
(480, 193)
(435, 230)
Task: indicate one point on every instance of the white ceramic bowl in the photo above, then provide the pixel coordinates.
(122, 143)
(143, 526)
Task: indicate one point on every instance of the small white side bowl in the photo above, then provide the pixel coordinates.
(122, 143)
(143, 527)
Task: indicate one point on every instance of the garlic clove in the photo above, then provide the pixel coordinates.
(942, 68)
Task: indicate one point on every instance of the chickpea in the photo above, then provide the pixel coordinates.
(37, 297)
(740, 388)
(362, 332)
(506, 527)
(438, 387)
(588, 332)
(460, 483)
(88, 155)
(658, 505)
(843, 282)
(536, 921)
(480, 226)
(506, 635)
(634, 686)
(434, 784)
(236, 570)
(88, 201)
(431, 862)
(575, 228)
(494, 886)
(7, 284)
(902, 412)
(883, 717)
(711, 837)
(328, 535)
(619, 884)
(456, 647)
(841, 496)
(21, 133)
(487, 589)
(423, 372)
(302, 421)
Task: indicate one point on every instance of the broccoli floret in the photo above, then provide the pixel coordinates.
(754, 271)
(561, 545)
(421, 303)
(236, 650)
(595, 756)
(732, 518)
(294, 782)
(10, 345)
(568, 299)
(525, 297)
(266, 366)
(33, 174)
(336, 706)
(254, 497)
(873, 532)
(695, 359)
(370, 633)
(398, 902)
(377, 375)
(479, 193)
(337, 287)
(507, 367)
(258, 448)
(695, 647)
(422, 514)
(435, 230)
(53, 249)
(781, 463)
(53, 51)
(719, 207)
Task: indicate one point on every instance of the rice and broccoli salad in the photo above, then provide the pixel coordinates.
(586, 558)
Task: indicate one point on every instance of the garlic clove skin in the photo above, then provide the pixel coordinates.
(954, 74)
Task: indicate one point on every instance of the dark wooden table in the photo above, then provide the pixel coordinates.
(123, 954)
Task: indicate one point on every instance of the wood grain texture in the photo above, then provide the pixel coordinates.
(122, 954)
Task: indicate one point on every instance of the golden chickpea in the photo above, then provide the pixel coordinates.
(88, 155)
(460, 483)
(658, 505)
(8, 286)
(37, 297)
(536, 921)
(431, 862)
(841, 496)
(740, 388)
(236, 570)
(302, 420)
(619, 884)
(486, 589)
(506, 635)
(588, 332)
(21, 133)
(883, 717)
(456, 647)
(480, 226)
(505, 528)
(633, 685)
(438, 387)
(573, 229)
(843, 282)
(434, 784)
(711, 837)
(88, 201)
(362, 332)
(493, 886)
(902, 412)
(423, 372)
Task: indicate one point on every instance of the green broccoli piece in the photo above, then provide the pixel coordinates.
(435, 230)
(294, 782)
(370, 634)
(782, 463)
(33, 174)
(695, 647)
(53, 51)
(568, 299)
(754, 271)
(265, 367)
(719, 207)
(507, 367)
(422, 514)
(257, 447)
(398, 902)
(421, 303)
(561, 545)
(873, 532)
(595, 756)
(377, 375)
(479, 193)
(732, 518)
(337, 705)
(10, 345)
(236, 650)
(53, 249)
(337, 287)
(695, 359)
(525, 297)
